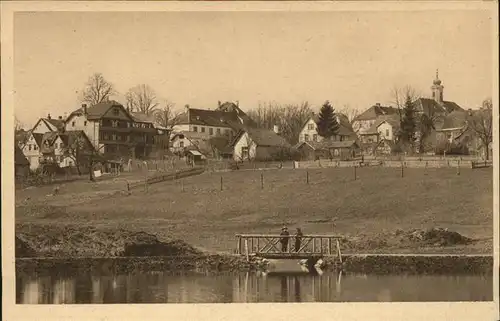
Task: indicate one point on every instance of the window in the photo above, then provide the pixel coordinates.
(116, 111)
(306, 137)
(315, 137)
(244, 152)
(387, 133)
(73, 124)
(218, 131)
(181, 144)
(29, 147)
(195, 129)
(202, 129)
(85, 123)
(210, 131)
(341, 138)
(310, 126)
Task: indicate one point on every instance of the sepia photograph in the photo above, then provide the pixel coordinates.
(250, 156)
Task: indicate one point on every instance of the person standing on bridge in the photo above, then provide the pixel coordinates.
(298, 239)
(284, 239)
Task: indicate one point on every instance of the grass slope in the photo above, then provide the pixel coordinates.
(374, 206)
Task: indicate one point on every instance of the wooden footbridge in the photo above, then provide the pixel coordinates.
(271, 246)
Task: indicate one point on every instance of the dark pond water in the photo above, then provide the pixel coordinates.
(168, 287)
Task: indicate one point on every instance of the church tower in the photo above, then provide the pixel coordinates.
(437, 89)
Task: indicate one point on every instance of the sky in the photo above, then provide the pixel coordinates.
(198, 58)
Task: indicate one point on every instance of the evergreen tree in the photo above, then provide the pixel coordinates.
(408, 124)
(327, 123)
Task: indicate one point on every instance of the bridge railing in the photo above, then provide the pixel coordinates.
(262, 244)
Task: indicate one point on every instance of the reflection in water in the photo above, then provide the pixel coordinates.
(159, 287)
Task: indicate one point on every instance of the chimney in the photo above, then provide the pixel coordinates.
(237, 103)
(48, 116)
(219, 103)
(377, 104)
(469, 111)
(276, 129)
(60, 117)
(84, 108)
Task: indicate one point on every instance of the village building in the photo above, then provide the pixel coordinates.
(456, 131)
(227, 119)
(384, 129)
(326, 149)
(309, 131)
(113, 131)
(369, 117)
(66, 149)
(257, 144)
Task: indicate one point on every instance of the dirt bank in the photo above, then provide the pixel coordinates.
(35, 240)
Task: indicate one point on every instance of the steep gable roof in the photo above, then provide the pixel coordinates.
(375, 111)
(226, 115)
(19, 158)
(456, 119)
(263, 137)
(97, 111)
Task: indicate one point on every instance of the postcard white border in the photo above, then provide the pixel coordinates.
(263, 311)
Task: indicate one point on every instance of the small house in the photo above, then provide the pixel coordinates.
(259, 144)
(340, 150)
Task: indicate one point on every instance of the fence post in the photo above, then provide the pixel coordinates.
(307, 177)
(458, 168)
(402, 170)
(221, 183)
(246, 249)
(182, 185)
(354, 171)
(339, 252)
(262, 180)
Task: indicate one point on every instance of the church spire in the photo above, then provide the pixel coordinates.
(437, 89)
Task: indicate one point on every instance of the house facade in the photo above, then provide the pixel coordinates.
(226, 120)
(66, 149)
(309, 131)
(369, 117)
(113, 131)
(259, 144)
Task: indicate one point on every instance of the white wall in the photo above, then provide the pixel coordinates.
(32, 152)
(175, 143)
(91, 128)
(386, 131)
(310, 132)
(244, 141)
(190, 128)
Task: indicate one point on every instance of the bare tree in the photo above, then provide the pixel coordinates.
(289, 118)
(97, 89)
(167, 116)
(481, 122)
(350, 113)
(142, 98)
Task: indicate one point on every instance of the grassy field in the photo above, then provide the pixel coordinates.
(374, 206)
